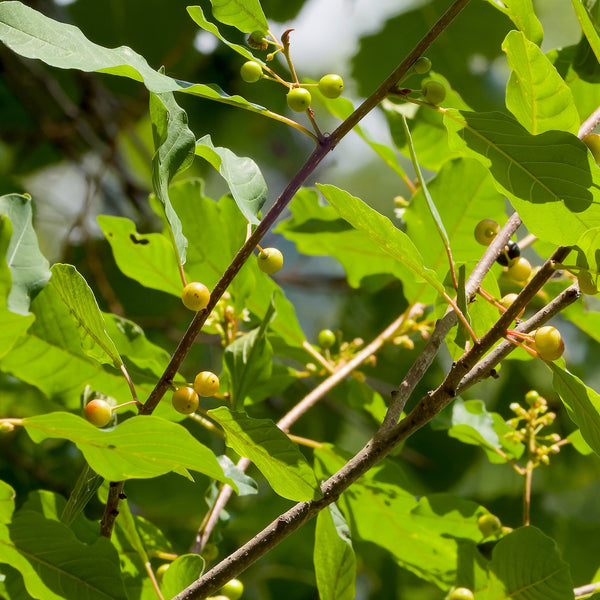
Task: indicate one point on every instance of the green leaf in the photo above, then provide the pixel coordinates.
(389, 239)
(273, 453)
(587, 26)
(246, 485)
(174, 153)
(28, 267)
(526, 565)
(198, 16)
(245, 15)
(132, 344)
(536, 94)
(249, 360)
(429, 134)
(245, 181)
(85, 489)
(333, 556)
(141, 447)
(55, 565)
(548, 178)
(33, 35)
(522, 14)
(7, 502)
(12, 325)
(423, 536)
(62, 368)
(79, 299)
(582, 403)
(147, 258)
(182, 572)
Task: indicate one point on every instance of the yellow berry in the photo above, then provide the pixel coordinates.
(549, 343)
(195, 296)
(98, 412)
(185, 400)
(206, 384)
(269, 260)
(519, 269)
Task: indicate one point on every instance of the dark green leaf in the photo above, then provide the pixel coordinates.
(249, 360)
(174, 153)
(274, 454)
(526, 565)
(548, 178)
(55, 565)
(28, 267)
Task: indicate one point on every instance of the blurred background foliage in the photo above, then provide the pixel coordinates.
(81, 145)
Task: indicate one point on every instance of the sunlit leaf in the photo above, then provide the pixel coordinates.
(246, 15)
(79, 299)
(582, 403)
(273, 453)
(536, 94)
(141, 447)
(522, 14)
(183, 571)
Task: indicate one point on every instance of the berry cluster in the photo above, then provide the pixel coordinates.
(298, 96)
(186, 399)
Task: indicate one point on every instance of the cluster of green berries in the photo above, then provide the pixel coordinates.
(186, 399)
(298, 97)
(527, 426)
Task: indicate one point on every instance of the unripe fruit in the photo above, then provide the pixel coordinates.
(489, 525)
(206, 384)
(586, 283)
(299, 99)
(160, 572)
(185, 400)
(434, 91)
(549, 343)
(98, 412)
(195, 296)
(592, 141)
(251, 71)
(422, 65)
(326, 338)
(462, 593)
(233, 589)
(486, 231)
(519, 269)
(513, 251)
(507, 300)
(531, 397)
(331, 86)
(269, 260)
(257, 41)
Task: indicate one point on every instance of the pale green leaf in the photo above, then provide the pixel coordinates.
(198, 16)
(147, 258)
(182, 572)
(33, 35)
(388, 238)
(548, 178)
(245, 181)
(28, 267)
(141, 447)
(536, 94)
(273, 453)
(582, 403)
(333, 556)
(7, 502)
(587, 26)
(174, 153)
(526, 565)
(245, 15)
(522, 14)
(79, 299)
